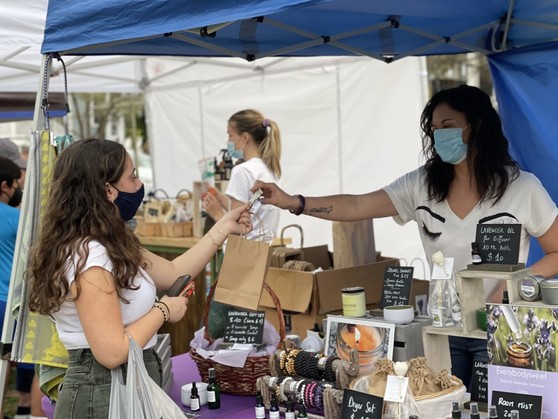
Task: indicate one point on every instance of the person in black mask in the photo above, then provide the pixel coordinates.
(10, 198)
(89, 272)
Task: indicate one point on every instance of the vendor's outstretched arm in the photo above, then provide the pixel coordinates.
(375, 204)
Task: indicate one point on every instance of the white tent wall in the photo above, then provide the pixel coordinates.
(344, 125)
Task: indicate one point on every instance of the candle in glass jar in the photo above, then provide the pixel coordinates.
(354, 302)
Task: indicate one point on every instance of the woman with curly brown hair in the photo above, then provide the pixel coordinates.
(89, 272)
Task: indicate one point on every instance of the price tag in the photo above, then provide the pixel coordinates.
(499, 243)
(479, 382)
(398, 281)
(358, 405)
(396, 388)
(244, 327)
(529, 406)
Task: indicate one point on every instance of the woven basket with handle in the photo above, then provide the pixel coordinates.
(234, 380)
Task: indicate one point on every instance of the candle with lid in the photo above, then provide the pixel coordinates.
(354, 301)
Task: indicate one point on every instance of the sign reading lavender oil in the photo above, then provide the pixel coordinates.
(499, 243)
(244, 326)
(358, 405)
(398, 281)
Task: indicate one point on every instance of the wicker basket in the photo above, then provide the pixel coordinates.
(233, 380)
(146, 229)
(181, 229)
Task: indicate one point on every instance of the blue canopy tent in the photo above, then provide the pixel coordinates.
(519, 37)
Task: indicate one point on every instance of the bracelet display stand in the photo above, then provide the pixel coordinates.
(332, 395)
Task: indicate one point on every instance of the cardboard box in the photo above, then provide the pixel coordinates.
(306, 298)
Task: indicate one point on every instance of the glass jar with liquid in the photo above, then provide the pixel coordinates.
(520, 355)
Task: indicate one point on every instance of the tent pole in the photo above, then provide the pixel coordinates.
(8, 328)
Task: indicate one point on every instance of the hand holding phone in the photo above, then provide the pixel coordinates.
(183, 286)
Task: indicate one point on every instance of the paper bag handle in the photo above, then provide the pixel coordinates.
(299, 229)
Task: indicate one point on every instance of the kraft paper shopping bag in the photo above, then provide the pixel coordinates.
(243, 272)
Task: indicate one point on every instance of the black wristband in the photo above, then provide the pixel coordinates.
(301, 206)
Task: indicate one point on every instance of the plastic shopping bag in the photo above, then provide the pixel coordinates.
(140, 397)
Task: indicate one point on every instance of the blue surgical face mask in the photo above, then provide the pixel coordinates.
(129, 202)
(449, 145)
(233, 152)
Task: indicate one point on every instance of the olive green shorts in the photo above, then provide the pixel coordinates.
(85, 391)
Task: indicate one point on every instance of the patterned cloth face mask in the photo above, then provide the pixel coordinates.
(449, 144)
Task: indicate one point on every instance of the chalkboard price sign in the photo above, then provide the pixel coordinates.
(528, 405)
(499, 243)
(358, 405)
(398, 281)
(479, 382)
(244, 326)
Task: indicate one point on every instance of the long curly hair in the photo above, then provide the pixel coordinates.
(78, 211)
(488, 157)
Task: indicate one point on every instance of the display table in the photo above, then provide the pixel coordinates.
(185, 371)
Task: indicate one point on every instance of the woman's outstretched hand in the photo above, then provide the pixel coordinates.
(236, 221)
(274, 195)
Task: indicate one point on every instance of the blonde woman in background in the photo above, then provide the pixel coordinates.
(257, 141)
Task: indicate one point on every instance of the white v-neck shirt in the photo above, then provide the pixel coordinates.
(525, 202)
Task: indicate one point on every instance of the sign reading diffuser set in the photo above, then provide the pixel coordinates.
(398, 281)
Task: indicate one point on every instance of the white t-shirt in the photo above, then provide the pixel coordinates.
(242, 179)
(525, 202)
(141, 300)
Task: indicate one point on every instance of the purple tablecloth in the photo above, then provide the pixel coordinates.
(185, 371)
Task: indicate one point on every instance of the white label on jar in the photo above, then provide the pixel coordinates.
(528, 289)
(289, 415)
(194, 404)
(273, 414)
(437, 317)
(260, 412)
(210, 396)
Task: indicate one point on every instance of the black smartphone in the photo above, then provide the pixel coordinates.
(183, 284)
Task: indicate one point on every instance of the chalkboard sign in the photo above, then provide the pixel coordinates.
(479, 382)
(358, 405)
(244, 326)
(499, 243)
(529, 406)
(398, 281)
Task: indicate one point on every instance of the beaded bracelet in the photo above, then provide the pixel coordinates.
(318, 397)
(164, 309)
(278, 388)
(301, 206)
(281, 396)
(282, 360)
(291, 356)
(329, 375)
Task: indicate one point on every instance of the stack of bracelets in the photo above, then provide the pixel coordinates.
(308, 392)
(299, 363)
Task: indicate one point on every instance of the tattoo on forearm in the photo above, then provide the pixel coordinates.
(324, 210)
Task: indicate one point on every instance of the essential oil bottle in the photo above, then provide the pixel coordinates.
(455, 411)
(260, 407)
(213, 391)
(194, 399)
(274, 408)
